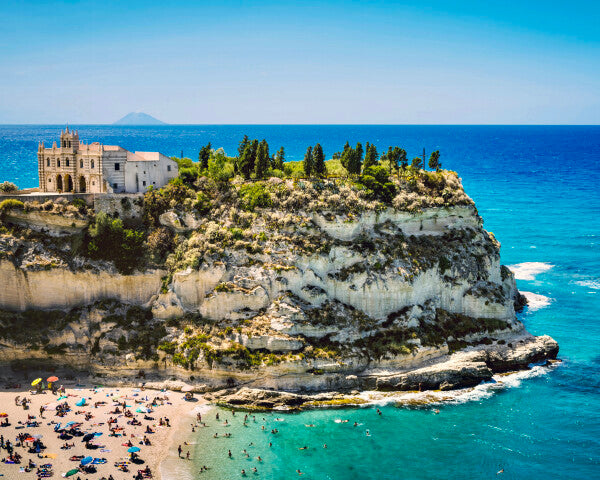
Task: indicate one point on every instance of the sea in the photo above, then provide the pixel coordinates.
(538, 190)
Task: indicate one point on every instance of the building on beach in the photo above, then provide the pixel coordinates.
(95, 168)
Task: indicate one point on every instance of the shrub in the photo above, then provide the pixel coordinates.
(80, 204)
(377, 182)
(254, 195)
(202, 203)
(109, 240)
(160, 242)
(10, 203)
(8, 187)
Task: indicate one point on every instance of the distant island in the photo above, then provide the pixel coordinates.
(139, 118)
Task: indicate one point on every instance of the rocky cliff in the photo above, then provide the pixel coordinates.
(316, 286)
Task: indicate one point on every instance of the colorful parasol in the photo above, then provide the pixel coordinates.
(35, 382)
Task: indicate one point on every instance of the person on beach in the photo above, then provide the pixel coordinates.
(187, 455)
(229, 453)
(179, 450)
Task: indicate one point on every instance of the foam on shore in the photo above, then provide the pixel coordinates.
(535, 301)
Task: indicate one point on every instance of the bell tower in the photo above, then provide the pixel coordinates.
(69, 140)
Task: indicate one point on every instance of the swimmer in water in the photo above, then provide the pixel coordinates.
(259, 459)
(500, 471)
(299, 472)
(229, 454)
(303, 448)
(324, 445)
(355, 424)
(367, 433)
(436, 411)
(243, 472)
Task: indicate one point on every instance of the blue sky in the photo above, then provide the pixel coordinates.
(498, 62)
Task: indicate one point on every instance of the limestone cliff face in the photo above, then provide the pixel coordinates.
(456, 276)
(61, 288)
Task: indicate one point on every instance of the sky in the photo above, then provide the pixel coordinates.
(300, 62)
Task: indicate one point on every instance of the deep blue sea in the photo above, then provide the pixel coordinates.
(538, 190)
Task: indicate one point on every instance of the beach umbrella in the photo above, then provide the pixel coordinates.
(52, 379)
(29, 439)
(86, 460)
(71, 472)
(81, 402)
(67, 425)
(142, 410)
(35, 382)
(3, 415)
(133, 449)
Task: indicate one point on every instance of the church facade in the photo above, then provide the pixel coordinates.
(95, 168)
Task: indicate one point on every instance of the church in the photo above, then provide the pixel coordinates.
(75, 167)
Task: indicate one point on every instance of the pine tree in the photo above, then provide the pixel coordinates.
(308, 162)
(320, 170)
(262, 159)
(403, 159)
(371, 156)
(434, 161)
(417, 163)
(204, 156)
(242, 145)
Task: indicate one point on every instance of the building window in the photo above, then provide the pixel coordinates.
(144, 183)
(67, 162)
(58, 163)
(47, 162)
(80, 163)
(115, 185)
(117, 166)
(93, 183)
(168, 168)
(91, 164)
(49, 180)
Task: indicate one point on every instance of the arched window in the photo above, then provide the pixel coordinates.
(67, 162)
(91, 164)
(81, 163)
(58, 163)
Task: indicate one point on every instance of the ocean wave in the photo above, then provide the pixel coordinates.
(473, 394)
(593, 284)
(528, 270)
(535, 301)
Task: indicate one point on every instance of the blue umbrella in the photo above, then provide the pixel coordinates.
(67, 425)
(86, 460)
(133, 449)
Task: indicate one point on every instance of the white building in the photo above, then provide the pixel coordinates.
(96, 168)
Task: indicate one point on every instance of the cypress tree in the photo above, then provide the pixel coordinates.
(345, 155)
(262, 159)
(320, 170)
(247, 159)
(204, 156)
(403, 159)
(434, 161)
(308, 162)
(371, 156)
(279, 159)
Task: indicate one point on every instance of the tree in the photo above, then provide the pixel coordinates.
(403, 159)
(203, 156)
(417, 163)
(434, 161)
(278, 159)
(219, 168)
(242, 145)
(320, 170)
(308, 162)
(345, 156)
(262, 159)
(371, 156)
(247, 159)
(354, 161)
(8, 187)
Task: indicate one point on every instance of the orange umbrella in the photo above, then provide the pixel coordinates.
(52, 379)
(2, 415)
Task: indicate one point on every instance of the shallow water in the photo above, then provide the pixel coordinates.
(537, 190)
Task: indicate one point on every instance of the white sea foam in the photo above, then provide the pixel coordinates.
(528, 270)
(473, 394)
(593, 284)
(535, 301)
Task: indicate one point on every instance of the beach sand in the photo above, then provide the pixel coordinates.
(169, 404)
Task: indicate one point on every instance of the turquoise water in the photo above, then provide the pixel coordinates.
(537, 189)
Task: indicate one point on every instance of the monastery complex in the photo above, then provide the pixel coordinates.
(96, 168)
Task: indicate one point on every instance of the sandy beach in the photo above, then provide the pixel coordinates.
(103, 415)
